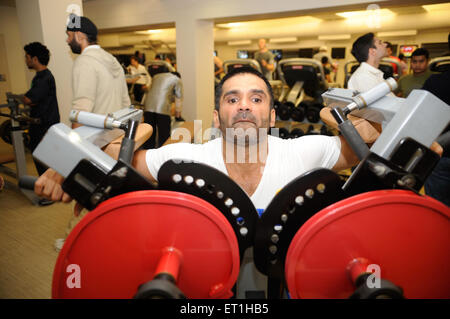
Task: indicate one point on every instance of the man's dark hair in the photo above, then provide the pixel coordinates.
(91, 38)
(361, 46)
(421, 51)
(237, 71)
(324, 60)
(389, 45)
(38, 50)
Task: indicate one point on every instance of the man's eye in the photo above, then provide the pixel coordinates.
(257, 100)
(232, 100)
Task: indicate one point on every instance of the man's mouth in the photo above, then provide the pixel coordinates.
(244, 121)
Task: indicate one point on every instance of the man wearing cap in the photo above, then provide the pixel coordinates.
(98, 80)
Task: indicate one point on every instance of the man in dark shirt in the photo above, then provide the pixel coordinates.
(41, 96)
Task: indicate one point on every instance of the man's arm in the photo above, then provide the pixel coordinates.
(27, 101)
(347, 158)
(218, 62)
(84, 83)
(49, 184)
(268, 65)
(369, 132)
(37, 93)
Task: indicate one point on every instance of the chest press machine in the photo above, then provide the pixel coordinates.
(319, 237)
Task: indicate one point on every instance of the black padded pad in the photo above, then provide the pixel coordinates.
(216, 188)
(284, 216)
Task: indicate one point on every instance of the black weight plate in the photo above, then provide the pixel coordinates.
(216, 188)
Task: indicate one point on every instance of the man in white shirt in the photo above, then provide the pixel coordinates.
(244, 113)
(368, 50)
(140, 78)
(98, 80)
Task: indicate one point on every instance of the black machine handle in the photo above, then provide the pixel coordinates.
(127, 146)
(350, 133)
(27, 182)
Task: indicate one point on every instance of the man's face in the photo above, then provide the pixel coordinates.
(73, 43)
(388, 51)
(380, 50)
(419, 64)
(134, 63)
(261, 44)
(245, 103)
(29, 61)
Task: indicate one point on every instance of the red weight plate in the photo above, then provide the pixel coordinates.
(117, 247)
(406, 235)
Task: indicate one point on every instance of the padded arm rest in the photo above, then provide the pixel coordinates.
(144, 131)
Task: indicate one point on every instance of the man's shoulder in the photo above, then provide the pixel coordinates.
(439, 78)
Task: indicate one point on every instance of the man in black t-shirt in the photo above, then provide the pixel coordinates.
(41, 96)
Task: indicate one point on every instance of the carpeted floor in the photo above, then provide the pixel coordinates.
(27, 236)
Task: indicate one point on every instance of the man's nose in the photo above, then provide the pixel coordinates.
(245, 105)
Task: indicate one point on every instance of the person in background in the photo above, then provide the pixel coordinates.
(323, 52)
(367, 50)
(140, 78)
(419, 66)
(140, 57)
(390, 55)
(218, 68)
(403, 64)
(326, 68)
(98, 83)
(437, 184)
(166, 89)
(41, 96)
(98, 80)
(265, 59)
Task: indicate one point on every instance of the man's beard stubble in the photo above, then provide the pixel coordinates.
(75, 46)
(244, 137)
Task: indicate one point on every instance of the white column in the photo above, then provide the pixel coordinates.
(195, 48)
(45, 21)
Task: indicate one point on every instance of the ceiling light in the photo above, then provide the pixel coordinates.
(396, 33)
(437, 7)
(240, 42)
(228, 25)
(283, 40)
(148, 32)
(335, 37)
(364, 13)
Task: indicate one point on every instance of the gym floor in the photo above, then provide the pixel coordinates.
(27, 235)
